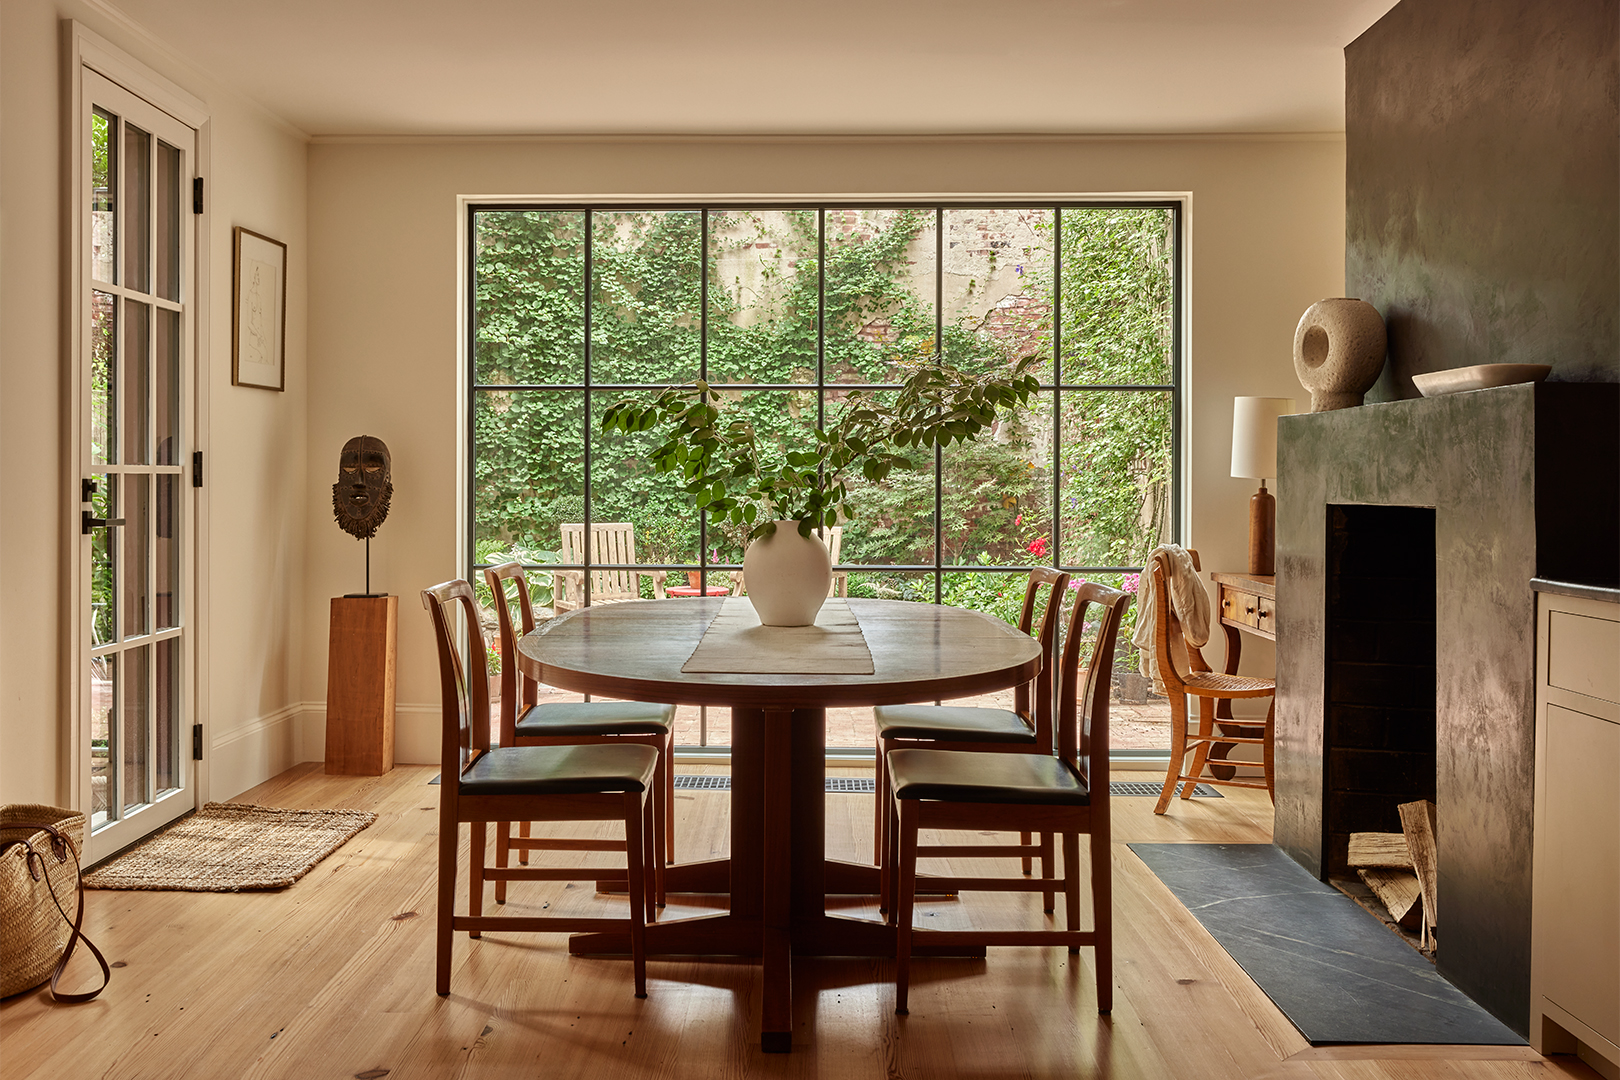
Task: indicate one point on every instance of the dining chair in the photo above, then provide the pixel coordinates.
(1025, 729)
(1208, 686)
(479, 784)
(974, 791)
(525, 722)
(614, 577)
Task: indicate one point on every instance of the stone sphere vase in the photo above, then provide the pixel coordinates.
(787, 575)
(1339, 349)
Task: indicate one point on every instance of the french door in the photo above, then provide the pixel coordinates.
(137, 408)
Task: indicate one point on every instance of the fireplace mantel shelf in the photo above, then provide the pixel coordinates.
(1600, 593)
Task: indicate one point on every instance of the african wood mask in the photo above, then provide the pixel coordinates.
(363, 490)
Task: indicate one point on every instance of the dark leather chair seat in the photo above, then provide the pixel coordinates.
(589, 769)
(952, 723)
(972, 777)
(595, 718)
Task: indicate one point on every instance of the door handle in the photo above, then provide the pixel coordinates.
(88, 521)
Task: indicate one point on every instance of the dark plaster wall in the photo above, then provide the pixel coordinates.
(1476, 459)
(1482, 184)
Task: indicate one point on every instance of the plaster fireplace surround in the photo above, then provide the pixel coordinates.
(1405, 515)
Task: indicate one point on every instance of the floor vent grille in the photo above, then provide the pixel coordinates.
(1152, 788)
(861, 785)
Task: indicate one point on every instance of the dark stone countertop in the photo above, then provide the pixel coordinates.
(1570, 588)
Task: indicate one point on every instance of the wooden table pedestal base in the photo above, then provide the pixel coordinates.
(778, 875)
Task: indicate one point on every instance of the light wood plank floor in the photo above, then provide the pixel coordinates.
(333, 978)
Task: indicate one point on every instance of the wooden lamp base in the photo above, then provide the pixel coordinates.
(1262, 533)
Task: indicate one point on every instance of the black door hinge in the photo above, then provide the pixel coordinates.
(196, 195)
(196, 468)
(196, 742)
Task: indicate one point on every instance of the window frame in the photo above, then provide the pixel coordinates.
(468, 386)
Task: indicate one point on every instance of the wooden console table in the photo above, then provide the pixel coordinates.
(1245, 604)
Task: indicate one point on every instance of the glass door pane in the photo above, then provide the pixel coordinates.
(103, 197)
(134, 741)
(103, 378)
(103, 737)
(136, 535)
(137, 371)
(137, 207)
(167, 238)
(166, 377)
(166, 545)
(104, 564)
(166, 715)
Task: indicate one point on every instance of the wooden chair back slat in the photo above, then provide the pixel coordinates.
(1055, 583)
(1084, 692)
(518, 691)
(465, 699)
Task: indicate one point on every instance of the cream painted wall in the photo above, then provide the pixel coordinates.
(254, 441)
(1266, 228)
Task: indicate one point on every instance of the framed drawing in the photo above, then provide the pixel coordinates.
(259, 311)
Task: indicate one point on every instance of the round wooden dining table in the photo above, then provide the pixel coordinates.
(778, 876)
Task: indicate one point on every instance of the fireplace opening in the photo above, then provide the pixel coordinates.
(1379, 737)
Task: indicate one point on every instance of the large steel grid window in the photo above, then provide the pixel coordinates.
(784, 309)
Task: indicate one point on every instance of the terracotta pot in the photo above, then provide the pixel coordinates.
(788, 576)
(694, 578)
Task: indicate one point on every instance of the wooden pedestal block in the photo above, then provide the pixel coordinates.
(360, 685)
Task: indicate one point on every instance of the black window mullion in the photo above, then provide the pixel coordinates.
(821, 318)
(703, 374)
(1057, 381)
(939, 353)
(472, 378)
(1178, 377)
(590, 270)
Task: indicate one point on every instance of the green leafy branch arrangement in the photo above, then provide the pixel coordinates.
(726, 472)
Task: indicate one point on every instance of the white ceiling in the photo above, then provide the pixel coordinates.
(372, 67)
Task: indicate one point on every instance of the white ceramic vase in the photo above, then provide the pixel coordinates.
(788, 576)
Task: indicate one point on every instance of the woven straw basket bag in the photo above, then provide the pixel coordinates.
(33, 933)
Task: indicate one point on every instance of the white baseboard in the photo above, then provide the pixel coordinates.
(416, 733)
(252, 753)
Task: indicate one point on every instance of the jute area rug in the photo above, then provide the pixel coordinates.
(232, 847)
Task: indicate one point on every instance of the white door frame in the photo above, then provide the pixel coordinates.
(83, 49)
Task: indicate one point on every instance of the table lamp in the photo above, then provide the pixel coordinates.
(1254, 456)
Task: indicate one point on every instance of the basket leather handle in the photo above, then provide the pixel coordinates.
(61, 848)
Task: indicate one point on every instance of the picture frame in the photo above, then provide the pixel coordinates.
(258, 311)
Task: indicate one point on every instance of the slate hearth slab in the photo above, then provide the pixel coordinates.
(1333, 969)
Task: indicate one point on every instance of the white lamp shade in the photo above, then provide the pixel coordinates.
(1254, 435)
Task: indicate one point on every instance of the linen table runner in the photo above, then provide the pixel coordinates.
(736, 643)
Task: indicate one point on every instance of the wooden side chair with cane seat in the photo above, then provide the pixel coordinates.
(479, 784)
(1025, 729)
(524, 722)
(1067, 795)
(1208, 686)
